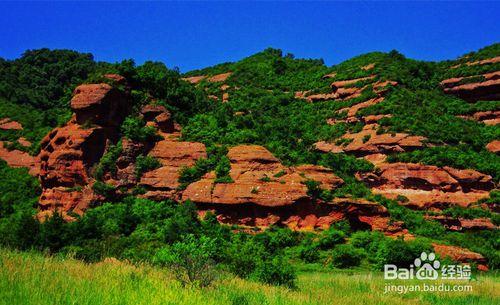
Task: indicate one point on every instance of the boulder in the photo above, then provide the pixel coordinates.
(8, 124)
(494, 146)
(99, 104)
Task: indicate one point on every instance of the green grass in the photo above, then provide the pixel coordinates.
(31, 278)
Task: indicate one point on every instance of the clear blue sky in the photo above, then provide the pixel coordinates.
(199, 34)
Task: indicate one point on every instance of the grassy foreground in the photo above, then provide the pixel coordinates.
(30, 278)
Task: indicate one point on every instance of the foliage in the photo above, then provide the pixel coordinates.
(136, 130)
(144, 164)
(346, 256)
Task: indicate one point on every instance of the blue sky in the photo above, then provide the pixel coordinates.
(193, 35)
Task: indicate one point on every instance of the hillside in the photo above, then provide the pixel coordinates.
(345, 165)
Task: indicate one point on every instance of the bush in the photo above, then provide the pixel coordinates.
(136, 130)
(399, 252)
(346, 256)
(330, 238)
(190, 260)
(276, 271)
(144, 164)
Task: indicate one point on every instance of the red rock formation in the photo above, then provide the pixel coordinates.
(17, 158)
(259, 179)
(493, 60)
(195, 79)
(367, 142)
(494, 146)
(213, 79)
(220, 77)
(461, 224)
(68, 153)
(99, 104)
(427, 186)
(486, 117)
(159, 116)
(173, 155)
(8, 124)
(458, 254)
(486, 89)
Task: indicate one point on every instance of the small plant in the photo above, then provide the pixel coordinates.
(265, 178)
(366, 138)
(254, 190)
(144, 164)
(281, 173)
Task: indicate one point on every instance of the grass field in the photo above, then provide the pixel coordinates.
(30, 278)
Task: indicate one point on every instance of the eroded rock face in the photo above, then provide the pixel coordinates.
(68, 153)
(17, 158)
(265, 192)
(159, 117)
(173, 155)
(427, 186)
(486, 117)
(8, 124)
(368, 142)
(461, 224)
(488, 88)
(494, 146)
(99, 104)
(459, 254)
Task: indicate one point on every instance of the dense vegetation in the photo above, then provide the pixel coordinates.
(35, 90)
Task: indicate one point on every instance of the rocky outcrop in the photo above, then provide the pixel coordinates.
(173, 155)
(17, 158)
(427, 186)
(494, 146)
(8, 124)
(486, 117)
(459, 254)
(212, 79)
(493, 60)
(265, 192)
(159, 117)
(474, 88)
(68, 153)
(368, 141)
(99, 104)
(462, 224)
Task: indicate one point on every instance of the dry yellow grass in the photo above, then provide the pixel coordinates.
(28, 278)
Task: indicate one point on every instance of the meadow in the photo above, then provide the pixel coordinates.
(33, 278)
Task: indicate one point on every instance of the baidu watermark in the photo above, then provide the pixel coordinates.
(428, 268)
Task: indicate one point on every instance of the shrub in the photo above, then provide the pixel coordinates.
(399, 252)
(308, 252)
(329, 238)
(190, 261)
(276, 271)
(144, 164)
(108, 161)
(345, 256)
(136, 130)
